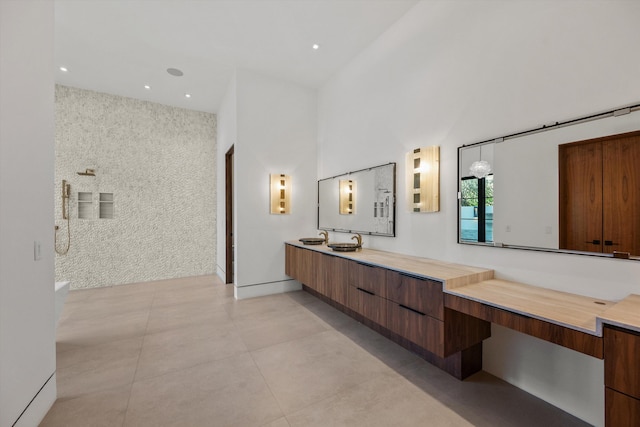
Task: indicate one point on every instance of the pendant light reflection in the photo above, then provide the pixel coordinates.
(480, 168)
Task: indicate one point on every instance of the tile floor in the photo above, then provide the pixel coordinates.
(185, 353)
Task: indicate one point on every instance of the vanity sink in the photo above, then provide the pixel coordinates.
(345, 247)
(312, 240)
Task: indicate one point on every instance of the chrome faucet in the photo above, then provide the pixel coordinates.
(358, 238)
(325, 233)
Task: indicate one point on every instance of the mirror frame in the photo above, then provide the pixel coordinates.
(602, 115)
(365, 232)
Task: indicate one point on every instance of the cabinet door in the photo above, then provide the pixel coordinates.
(302, 265)
(422, 295)
(334, 274)
(621, 198)
(580, 168)
(622, 361)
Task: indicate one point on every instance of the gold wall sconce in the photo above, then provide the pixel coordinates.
(423, 179)
(347, 197)
(280, 193)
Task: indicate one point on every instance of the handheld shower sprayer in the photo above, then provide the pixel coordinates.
(66, 192)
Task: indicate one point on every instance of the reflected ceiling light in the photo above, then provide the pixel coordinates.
(480, 168)
(147, 87)
(187, 95)
(315, 46)
(64, 69)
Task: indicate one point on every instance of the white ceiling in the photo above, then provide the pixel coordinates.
(118, 46)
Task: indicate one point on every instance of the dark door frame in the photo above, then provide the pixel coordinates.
(228, 163)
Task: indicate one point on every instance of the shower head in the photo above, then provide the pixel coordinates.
(88, 172)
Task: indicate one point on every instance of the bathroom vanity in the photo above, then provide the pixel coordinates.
(443, 311)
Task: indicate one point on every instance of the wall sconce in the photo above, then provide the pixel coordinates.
(280, 193)
(347, 197)
(423, 179)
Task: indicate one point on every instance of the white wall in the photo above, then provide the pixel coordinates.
(27, 335)
(275, 133)
(159, 163)
(454, 73)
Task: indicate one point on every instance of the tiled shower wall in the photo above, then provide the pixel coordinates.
(159, 164)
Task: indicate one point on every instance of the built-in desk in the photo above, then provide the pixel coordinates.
(565, 319)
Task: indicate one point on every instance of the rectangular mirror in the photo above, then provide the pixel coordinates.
(567, 187)
(362, 201)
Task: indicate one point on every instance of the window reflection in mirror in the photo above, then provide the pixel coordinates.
(476, 209)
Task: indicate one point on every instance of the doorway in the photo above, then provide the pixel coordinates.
(229, 243)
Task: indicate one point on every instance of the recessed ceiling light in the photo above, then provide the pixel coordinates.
(64, 69)
(175, 72)
(316, 46)
(187, 95)
(147, 87)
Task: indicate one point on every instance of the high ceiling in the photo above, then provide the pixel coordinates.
(119, 46)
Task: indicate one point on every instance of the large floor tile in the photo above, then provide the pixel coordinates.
(91, 331)
(103, 409)
(183, 315)
(304, 371)
(487, 401)
(385, 400)
(260, 331)
(182, 348)
(95, 368)
(228, 392)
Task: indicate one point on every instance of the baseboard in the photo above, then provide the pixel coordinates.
(222, 275)
(262, 289)
(39, 406)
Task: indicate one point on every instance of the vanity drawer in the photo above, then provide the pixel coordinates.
(419, 294)
(622, 360)
(416, 327)
(621, 410)
(368, 305)
(369, 278)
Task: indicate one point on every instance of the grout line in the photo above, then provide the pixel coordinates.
(135, 372)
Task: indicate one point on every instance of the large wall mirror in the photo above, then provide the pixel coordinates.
(567, 187)
(362, 201)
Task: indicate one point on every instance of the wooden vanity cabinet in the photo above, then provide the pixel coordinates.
(334, 278)
(303, 265)
(406, 309)
(621, 377)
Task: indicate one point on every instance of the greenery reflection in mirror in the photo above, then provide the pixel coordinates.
(476, 209)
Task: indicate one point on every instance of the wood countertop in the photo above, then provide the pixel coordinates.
(561, 308)
(573, 311)
(625, 314)
(451, 275)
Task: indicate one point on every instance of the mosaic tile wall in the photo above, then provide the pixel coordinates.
(158, 163)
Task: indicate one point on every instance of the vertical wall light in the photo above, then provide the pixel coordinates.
(280, 193)
(423, 179)
(347, 197)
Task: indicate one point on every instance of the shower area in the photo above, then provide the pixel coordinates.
(134, 190)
